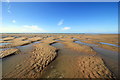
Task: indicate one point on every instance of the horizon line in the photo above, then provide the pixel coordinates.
(60, 1)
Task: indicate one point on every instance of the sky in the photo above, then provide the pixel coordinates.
(59, 17)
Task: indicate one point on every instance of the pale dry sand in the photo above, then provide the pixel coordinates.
(80, 47)
(8, 38)
(33, 39)
(15, 44)
(8, 52)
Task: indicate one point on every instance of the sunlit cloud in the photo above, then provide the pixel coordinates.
(32, 28)
(8, 1)
(22, 29)
(9, 11)
(9, 6)
(61, 22)
(66, 28)
(13, 21)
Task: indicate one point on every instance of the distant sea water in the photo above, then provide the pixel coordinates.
(61, 33)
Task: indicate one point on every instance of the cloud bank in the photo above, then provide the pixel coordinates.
(66, 28)
(13, 21)
(22, 29)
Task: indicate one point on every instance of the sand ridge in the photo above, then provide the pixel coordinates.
(8, 52)
(40, 57)
(93, 67)
(80, 47)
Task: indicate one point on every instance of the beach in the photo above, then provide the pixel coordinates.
(55, 55)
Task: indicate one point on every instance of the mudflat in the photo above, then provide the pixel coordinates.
(59, 55)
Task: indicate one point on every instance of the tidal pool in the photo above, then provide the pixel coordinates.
(79, 42)
(109, 44)
(4, 44)
(10, 62)
(110, 57)
(62, 66)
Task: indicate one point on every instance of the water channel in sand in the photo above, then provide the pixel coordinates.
(4, 44)
(62, 66)
(9, 63)
(109, 44)
(110, 57)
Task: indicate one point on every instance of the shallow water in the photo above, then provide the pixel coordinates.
(4, 44)
(27, 48)
(10, 62)
(92, 45)
(110, 57)
(4, 49)
(109, 44)
(58, 40)
(4, 36)
(62, 66)
(75, 38)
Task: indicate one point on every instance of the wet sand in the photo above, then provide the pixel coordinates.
(59, 56)
(74, 64)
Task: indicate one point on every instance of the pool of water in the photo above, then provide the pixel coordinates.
(109, 44)
(75, 38)
(58, 40)
(4, 44)
(36, 42)
(63, 65)
(4, 36)
(10, 62)
(27, 48)
(4, 49)
(79, 42)
(110, 57)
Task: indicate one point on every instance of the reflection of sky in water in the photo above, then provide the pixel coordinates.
(85, 43)
(4, 44)
(109, 44)
(0, 49)
(5, 49)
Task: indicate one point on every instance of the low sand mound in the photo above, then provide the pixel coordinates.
(5, 41)
(67, 39)
(16, 43)
(80, 47)
(19, 39)
(92, 67)
(40, 57)
(49, 40)
(90, 42)
(8, 38)
(113, 48)
(13, 39)
(8, 52)
(34, 39)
